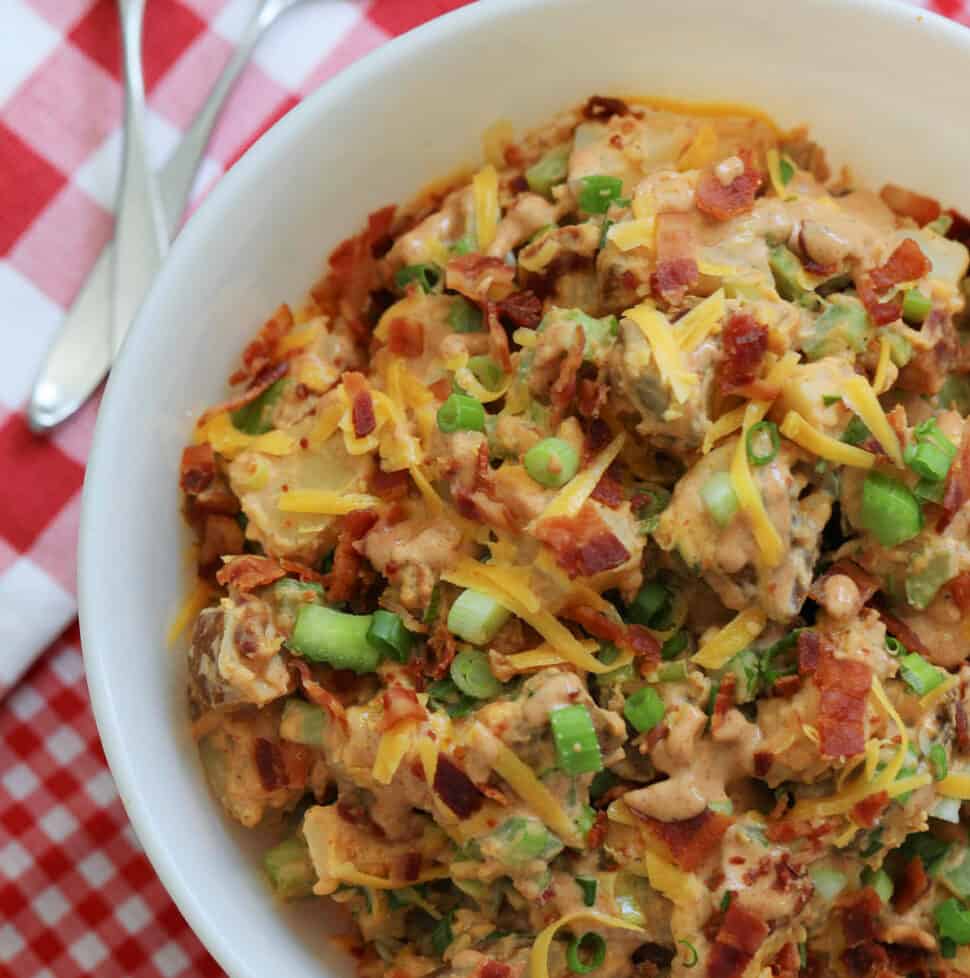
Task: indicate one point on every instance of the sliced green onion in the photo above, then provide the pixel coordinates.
(927, 460)
(255, 418)
(726, 901)
(690, 959)
(746, 666)
(387, 633)
(958, 878)
(900, 349)
(597, 193)
(464, 316)
(829, 882)
(586, 953)
(324, 635)
(674, 646)
(577, 749)
(302, 723)
(939, 763)
(476, 617)
(651, 607)
(762, 442)
(889, 510)
(931, 851)
(552, 462)
(948, 947)
(589, 886)
(644, 709)
(916, 306)
(465, 245)
(445, 694)
(930, 490)
(672, 672)
(919, 675)
(473, 675)
(427, 276)
(487, 372)
(461, 413)
(843, 326)
(955, 393)
(290, 869)
(953, 921)
(856, 431)
(525, 839)
(719, 497)
(552, 169)
(786, 170)
(879, 880)
(894, 646)
(602, 782)
(430, 615)
(599, 333)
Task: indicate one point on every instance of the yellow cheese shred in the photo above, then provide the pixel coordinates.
(198, 599)
(701, 150)
(934, 696)
(324, 503)
(485, 196)
(798, 430)
(326, 424)
(862, 399)
(426, 489)
(391, 749)
(348, 873)
(574, 494)
(956, 785)
(536, 795)
(229, 441)
(749, 497)
(666, 352)
(539, 955)
(701, 321)
(880, 382)
(301, 337)
(495, 139)
(738, 634)
(682, 889)
(725, 425)
(638, 233)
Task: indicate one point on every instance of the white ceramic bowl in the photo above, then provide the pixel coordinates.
(883, 86)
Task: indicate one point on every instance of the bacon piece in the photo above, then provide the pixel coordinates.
(389, 485)
(963, 726)
(881, 313)
(441, 645)
(583, 545)
(221, 536)
(865, 582)
(911, 886)
(809, 646)
(405, 337)
(843, 686)
(744, 342)
(786, 687)
(343, 576)
(198, 468)
(763, 759)
(676, 270)
(249, 571)
(597, 833)
(261, 351)
(905, 264)
(723, 701)
(786, 963)
(522, 309)
(269, 765)
(261, 383)
(301, 571)
(494, 969)
(643, 645)
(590, 397)
(868, 959)
(903, 632)
(860, 916)
(498, 340)
(603, 107)
(609, 490)
(957, 490)
(400, 704)
(564, 388)
(959, 589)
(724, 202)
(867, 811)
(478, 277)
(317, 694)
(362, 404)
(906, 203)
(740, 936)
(456, 789)
(689, 841)
(633, 638)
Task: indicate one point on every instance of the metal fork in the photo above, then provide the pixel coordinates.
(82, 352)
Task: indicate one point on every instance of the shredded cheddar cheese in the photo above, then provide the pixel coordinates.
(749, 498)
(574, 494)
(539, 955)
(725, 425)
(701, 151)
(682, 889)
(881, 382)
(198, 599)
(667, 354)
(226, 439)
(701, 321)
(485, 196)
(322, 502)
(738, 634)
(798, 430)
(862, 399)
(638, 233)
(956, 785)
(391, 750)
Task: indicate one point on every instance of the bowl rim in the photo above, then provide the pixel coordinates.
(94, 634)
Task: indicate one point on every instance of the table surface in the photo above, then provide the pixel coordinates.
(77, 894)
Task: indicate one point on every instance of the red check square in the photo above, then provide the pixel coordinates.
(37, 482)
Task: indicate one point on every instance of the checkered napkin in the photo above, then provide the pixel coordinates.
(77, 895)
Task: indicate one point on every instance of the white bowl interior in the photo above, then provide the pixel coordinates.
(882, 87)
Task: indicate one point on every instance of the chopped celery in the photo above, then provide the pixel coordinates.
(958, 878)
(879, 880)
(843, 326)
(552, 169)
(324, 635)
(290, 869)
(923, 585)
(829, 882)
(520, 840)
(787, 270)
(303, 723)
(919, 675)
(476, 617)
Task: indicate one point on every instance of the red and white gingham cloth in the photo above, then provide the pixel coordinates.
(77, 895)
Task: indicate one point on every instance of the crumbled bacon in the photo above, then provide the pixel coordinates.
(344, 575)
(676, 270)
(456, 789)
(603, 107)
(740, 936)
(494, 969)
(744, 343)
(911, 886)
(786, 686)
(389, 485)
(221, 535)
(906, 203)
(362, 403)
(959, 229)
(478, 277)
(597, 833)
(441, 645)
(786, 963)
(609, 490)
(860, 915)
(400, 704)
(249, 571)
(405, 337)
(865, 582)
(269, 764)
(957, 490)
(261, 352)
(843, 686)
(867, 811)
(689, 841)
(809, 647)
(564, 388)
(318, 695)
(521, 309)
(632, 638)
(867, 959)
(590, 397)
(763, 759)
(724, 202)
(723, 701)
(881, 313)
(903, 632)
(962, 726)
(583, 545)
(198, 468)
(301, 571)
(959, 589)
(906, 264)
(498, 340)
(260, 384)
